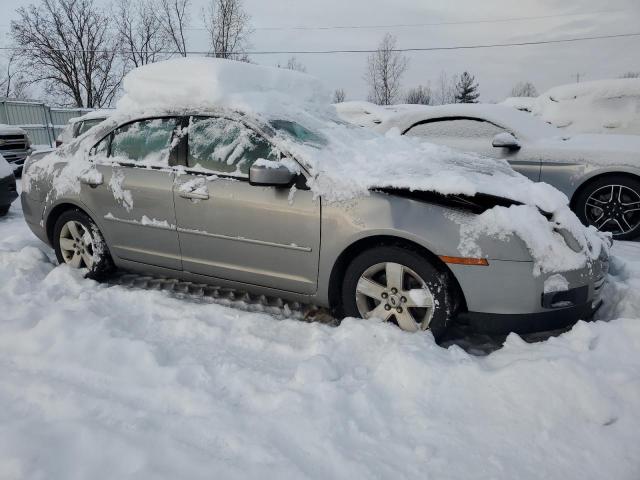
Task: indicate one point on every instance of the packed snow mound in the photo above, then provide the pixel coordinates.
(209, 83)
(101, 382)
(602, 106)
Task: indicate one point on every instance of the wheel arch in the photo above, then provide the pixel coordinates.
(594, 178)
(342, 261)
(57, 210)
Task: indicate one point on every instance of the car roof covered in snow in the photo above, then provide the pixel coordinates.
(520, 123)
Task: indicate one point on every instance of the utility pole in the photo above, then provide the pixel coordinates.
(579, 76)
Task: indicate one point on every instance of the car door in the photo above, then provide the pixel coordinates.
(475, 135)
(134, 196)
(236, 231)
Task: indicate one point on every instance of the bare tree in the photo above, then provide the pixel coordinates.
(228, 25)
(13, 82)
(524, 89)
(174, 19)
(385, 68)
(142, 36)
(339, 95)
(446, 89)
(70, 45)
(630, 75)
(294, 64)
(419, 95)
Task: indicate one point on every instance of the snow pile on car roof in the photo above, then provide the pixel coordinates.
(209, 83)
(602, 106)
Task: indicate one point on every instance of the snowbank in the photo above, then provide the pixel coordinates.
(103, 382)
(602, 106)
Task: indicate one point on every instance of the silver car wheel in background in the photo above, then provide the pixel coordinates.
(76, 245)
(614, 208)
(393, 291)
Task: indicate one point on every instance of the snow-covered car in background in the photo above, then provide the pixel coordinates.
(600, 174)
(8, 190)
(15, 146)
(600, 106)
(78, 125)
(243, 176)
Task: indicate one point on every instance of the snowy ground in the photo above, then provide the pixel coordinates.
(101, 381)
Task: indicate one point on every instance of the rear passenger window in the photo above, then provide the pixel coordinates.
(145, 141)
(225, 146)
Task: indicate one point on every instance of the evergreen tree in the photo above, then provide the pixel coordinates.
(467, 89)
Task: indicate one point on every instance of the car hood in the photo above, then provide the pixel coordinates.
(11, 130)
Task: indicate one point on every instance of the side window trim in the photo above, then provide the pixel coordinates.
(449, 119)
(243, 177)
(173, 159)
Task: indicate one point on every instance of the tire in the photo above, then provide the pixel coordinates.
(440, 290)
(88, 248)
(4, 210)
(611, 204)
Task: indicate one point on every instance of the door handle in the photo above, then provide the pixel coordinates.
(195, 195)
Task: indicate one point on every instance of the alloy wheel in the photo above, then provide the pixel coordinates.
(394, 292)
(614, 208)
(76, 245)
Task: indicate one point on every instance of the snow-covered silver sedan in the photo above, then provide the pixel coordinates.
(600, 174)
(268, 192)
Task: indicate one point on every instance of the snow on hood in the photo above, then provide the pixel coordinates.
(11, 130)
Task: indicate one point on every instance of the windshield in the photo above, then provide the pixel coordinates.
(298, 132)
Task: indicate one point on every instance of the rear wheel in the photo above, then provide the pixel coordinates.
(611, 204)
(79, 244)
(401, 286)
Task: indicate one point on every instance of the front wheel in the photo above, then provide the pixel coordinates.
(79, 244)
(611, 204)
(401, 286)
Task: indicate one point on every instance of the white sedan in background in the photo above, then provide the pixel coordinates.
(600, 174)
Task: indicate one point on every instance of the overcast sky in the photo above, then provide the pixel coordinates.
(497, 69)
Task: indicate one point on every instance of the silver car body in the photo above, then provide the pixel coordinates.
(546, 153)
(205, 226)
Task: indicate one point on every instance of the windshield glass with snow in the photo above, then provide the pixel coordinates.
(298, 132)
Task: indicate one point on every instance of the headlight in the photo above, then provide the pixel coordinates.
(569, 239)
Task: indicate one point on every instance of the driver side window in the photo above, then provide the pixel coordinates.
(225, 146)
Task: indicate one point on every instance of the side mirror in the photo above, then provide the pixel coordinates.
(506, 140)
(265, 175)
